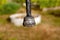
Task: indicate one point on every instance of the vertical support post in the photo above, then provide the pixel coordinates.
(29, 19)
(28, 7)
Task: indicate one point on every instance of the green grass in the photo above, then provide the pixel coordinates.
(9, 8)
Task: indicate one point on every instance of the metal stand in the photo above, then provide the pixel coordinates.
(29, 19)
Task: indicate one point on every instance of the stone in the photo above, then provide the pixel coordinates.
(18, 18)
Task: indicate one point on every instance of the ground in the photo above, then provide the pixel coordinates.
(46, 30)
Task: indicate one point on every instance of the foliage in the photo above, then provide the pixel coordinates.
(57, 13)
(3, 2)
(54, 12)
(19, 1)
(47, 3)
(34, 1)
(9, 8)
(43, 3)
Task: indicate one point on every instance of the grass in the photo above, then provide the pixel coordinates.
(2, 21)
(54, 20)
(42, 31)
(9, 8)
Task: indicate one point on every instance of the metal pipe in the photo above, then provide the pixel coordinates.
(29, 19)
(28, 7)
